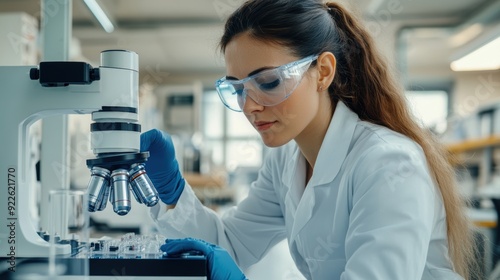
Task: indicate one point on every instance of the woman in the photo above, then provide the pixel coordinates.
(356, 186)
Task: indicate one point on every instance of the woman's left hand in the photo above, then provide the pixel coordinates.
(221, 265)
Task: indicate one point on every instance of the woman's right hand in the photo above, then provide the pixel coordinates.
(162, 167)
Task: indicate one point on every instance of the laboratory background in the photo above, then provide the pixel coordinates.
(446, 54)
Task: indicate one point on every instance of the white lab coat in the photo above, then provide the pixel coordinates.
(370, 210)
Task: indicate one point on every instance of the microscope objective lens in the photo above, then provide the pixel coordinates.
(121, 194)
(97, 189)
(142, 186)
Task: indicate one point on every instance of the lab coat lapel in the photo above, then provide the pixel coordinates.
(294, 178)
(331, 155)
(335, 145)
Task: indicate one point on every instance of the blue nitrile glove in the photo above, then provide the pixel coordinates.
(220, 264)
(161, 166)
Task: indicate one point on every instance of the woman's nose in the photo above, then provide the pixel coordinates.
(250, 105)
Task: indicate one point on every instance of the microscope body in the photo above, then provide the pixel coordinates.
(109, 93)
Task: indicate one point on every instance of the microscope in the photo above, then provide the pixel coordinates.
(110, 94)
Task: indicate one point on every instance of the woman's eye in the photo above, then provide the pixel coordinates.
(269, 85)
(238, 89)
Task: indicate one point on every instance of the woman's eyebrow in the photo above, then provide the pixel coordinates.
(251, 73)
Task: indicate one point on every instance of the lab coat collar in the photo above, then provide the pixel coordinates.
(333, 149)
(331, 155)
(335, 145)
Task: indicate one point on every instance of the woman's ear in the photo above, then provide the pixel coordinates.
(326, 65)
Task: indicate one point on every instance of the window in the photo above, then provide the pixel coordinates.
(233, 140)
(429, 107)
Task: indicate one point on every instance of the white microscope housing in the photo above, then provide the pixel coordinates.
(110, 94)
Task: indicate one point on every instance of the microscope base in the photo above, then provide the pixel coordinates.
(183, 268)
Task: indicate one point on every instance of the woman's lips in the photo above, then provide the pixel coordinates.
(262, 126)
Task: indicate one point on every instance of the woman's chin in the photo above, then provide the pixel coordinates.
(273, 140)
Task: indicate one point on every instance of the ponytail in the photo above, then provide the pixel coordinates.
(362, 79)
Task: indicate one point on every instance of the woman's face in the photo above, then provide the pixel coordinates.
(287, 120)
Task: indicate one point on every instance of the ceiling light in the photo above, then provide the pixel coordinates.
(483, 58)
(100, 15)
(466, 35)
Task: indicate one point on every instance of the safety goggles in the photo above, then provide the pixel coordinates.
(267, 88)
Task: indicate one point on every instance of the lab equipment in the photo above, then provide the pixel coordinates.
(117, 185)
(267, 88)
(162, 166)
(68, 226)
(221, 265)
(131, 256)
(98, 189)
(110, 94)
(142, 187)
(128, 246)
(120, 195)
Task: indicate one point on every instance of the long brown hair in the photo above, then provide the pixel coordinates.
(363, 82)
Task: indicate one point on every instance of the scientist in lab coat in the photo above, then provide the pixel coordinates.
(358, 189)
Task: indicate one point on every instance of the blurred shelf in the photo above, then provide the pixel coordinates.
(485, 224)
(474, 144)
(197, 180)
(485, 218)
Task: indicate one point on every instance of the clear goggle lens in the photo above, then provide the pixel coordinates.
(267, 88)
